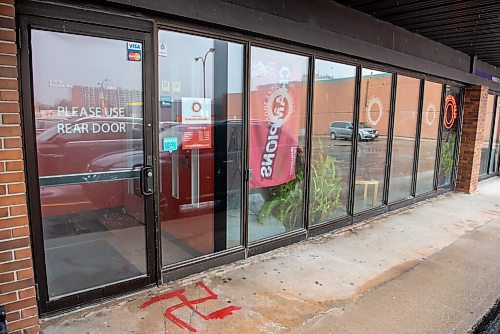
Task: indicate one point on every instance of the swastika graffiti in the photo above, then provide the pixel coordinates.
(219, 314)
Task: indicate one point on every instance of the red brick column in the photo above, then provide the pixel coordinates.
(472, 138)
(17, 286)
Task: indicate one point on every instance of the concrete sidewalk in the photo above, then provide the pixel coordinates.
(433, 268)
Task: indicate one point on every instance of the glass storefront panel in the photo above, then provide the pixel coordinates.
(452, 109)
(496, 141)
(200, 124)
(89, 137)
(485, 147)
(278, 113)
(431, 109)
(374, 108)
(334, 86)
(403, 143)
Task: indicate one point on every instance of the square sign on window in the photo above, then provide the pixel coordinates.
(196, 110)
(196, 123)
(134, 51)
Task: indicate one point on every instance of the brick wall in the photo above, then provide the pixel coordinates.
(17, 287)
(472, 136)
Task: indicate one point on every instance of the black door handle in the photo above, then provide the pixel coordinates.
(147, 184)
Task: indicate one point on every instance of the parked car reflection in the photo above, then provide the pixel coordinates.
(344, 130)
(67, 147)
(80, 166)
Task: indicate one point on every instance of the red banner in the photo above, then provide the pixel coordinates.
(276, 106)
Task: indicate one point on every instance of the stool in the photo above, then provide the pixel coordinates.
(367, 183)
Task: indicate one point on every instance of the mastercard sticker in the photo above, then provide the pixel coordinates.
(134, 56)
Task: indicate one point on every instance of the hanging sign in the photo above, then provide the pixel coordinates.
(134, 51)
(276, 109)
(487, 76)
(196, 123)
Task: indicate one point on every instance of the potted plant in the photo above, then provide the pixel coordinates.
(285, 202)
(446, 158)
(326, 189)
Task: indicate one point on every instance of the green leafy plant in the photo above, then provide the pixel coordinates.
(326, 188)
(285, 203)
(446, 160)
(286, 200)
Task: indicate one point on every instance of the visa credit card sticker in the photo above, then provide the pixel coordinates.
(134, 51)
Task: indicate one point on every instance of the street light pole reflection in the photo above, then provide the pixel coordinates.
(195, 154)
(203, 62)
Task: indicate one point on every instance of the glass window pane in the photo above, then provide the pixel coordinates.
(496, 141)
(431, 109)
(201, 99)
(278, 111)
(485, 147)
(334, 86)
(451, 112)
(403, 144)
(374, 107)
(234, 144)
(88, 121)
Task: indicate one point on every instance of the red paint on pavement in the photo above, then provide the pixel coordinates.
(219, 314)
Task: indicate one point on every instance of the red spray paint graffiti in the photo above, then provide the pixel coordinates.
(219, 314)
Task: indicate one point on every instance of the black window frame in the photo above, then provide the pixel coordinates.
(27, 23)
(109, 17)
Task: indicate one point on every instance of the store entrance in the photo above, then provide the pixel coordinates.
(91, 192)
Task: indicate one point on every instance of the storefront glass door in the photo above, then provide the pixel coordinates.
(94, 184)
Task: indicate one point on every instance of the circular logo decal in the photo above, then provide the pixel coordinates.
(431, 109)
(135, 56)
(374, 101)
(450, 111)
(278, 106)
(196, 106)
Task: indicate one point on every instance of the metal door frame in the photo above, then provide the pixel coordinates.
(25, 24)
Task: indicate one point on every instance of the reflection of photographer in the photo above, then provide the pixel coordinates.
(367, 172)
